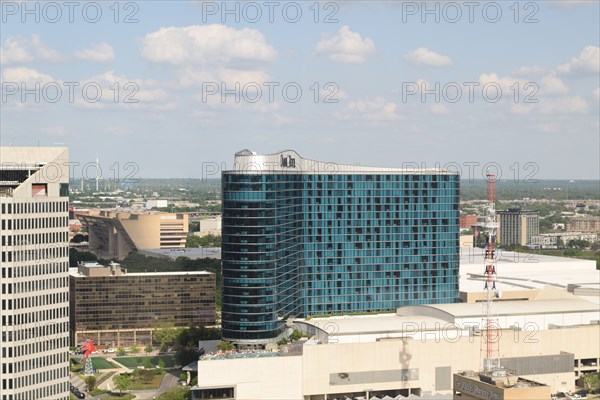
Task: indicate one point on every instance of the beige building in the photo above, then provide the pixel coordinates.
(502, 385)
(517, 226)
(210, 226)
(548, 312)
(114, 307)
(34, 200)
(363, 357)
(584, 224)
(115, 234)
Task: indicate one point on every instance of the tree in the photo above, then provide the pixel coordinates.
(90, 381)
(193, 241)
(175, 393)
(122, 382)
(134, 349)
(147, 375)
(225, 346)
(296, 335)
(77, 256)
(163, 348)
(121, 351)
(148, 348)
(209, 240)
(166, 334)
(79, 238)
(579, 243)
(592, 381)
(185, 356)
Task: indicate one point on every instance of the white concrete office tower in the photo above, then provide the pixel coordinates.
(34, 197)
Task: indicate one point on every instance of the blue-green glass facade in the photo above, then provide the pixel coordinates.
(305, 244)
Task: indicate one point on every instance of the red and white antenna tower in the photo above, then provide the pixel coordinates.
(490, 339)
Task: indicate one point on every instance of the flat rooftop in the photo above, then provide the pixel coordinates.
(502, 308)
(193, 253)
(374, 324)
(75, 273)
(522, 271)
(290, 162)
(433, 317)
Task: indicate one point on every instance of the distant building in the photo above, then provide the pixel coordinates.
(584, 224)
(115, 234)
(518, 226)
(467, 221)
(119, 308)
(551, 239)
(210, 226)
(156, 203)
(34, 200)
(303, 237)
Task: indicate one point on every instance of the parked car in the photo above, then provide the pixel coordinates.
(79, 395)
(110, 351)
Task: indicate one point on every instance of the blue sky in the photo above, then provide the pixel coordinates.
(379, 81)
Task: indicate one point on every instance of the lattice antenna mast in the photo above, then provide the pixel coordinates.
(490, 348)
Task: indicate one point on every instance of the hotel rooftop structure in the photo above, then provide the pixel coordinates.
(304, 238)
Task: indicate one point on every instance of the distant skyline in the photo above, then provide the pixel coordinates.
(382, 83)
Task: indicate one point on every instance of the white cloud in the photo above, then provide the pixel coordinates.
(370, 110)
(211, 53)
(439, 109)
(573, 3)
(14, 53)
(509, 85)
(529, 70)
(207, 45)
(346, 47)
(21, 50)
(587, 62)
(126, 92)
(425, 57)
(44, 52)
(597, 93)
(99, 53)
(55, 130)
(553, 106)
(550, 84)
(24, 75)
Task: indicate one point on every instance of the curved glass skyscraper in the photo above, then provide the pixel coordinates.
(303, 237)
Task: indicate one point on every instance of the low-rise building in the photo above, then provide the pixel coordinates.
(498, 385)
(467, 221)
(210, 226)
(584, 224)
(547, 314)
(116, 234)
(114, 307)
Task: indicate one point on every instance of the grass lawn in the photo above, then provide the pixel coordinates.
(123, 397)
(98, 363)
(139, 384)
(146, 361)
(104, 377)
